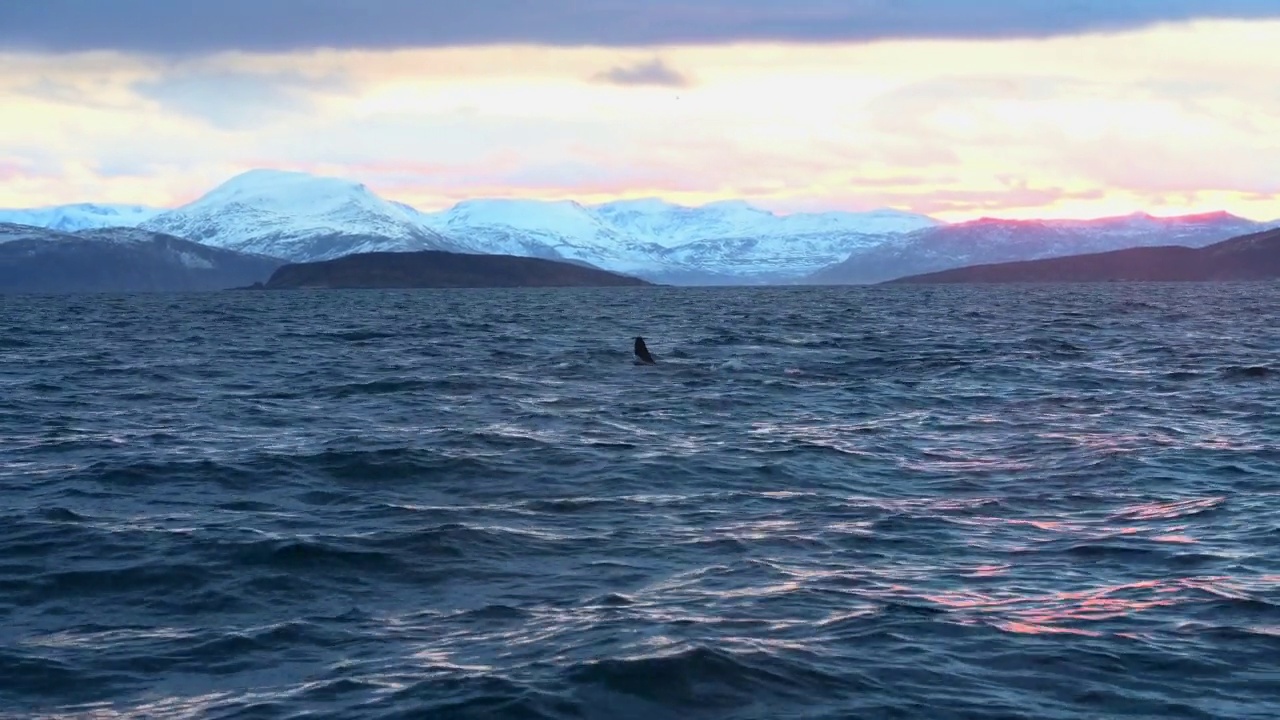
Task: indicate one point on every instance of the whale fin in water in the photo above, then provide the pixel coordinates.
(642, 353)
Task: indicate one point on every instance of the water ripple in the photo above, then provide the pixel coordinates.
(1001, 502)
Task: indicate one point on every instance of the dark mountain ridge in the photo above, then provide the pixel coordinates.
(1249, 257)
(989, 240)
(440, 269)
(39, 260)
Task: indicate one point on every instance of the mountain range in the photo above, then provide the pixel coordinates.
(80, 216)
(34, 259)
(297, 217)
(1249, 257)
(991, 241)
(302, 218)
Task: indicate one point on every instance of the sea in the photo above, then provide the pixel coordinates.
(1055, 502)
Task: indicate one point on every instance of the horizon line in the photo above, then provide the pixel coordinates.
(646, 198)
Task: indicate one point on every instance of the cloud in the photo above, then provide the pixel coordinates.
(232, 100)
(653, 72)
(180, 28)
(12, 170)
(1075, 125)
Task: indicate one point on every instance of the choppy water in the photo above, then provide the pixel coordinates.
(1005, 502)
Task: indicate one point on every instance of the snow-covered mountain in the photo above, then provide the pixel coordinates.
(301, 217)
(556, 230)
(34, 259)
(298, 217)
(80, 216)
(732, 241)
(993, 241)
(675, 225)
(728, 242)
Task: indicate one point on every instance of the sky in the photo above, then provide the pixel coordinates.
(982, 108)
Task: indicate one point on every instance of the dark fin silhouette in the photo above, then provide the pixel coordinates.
(642, 352)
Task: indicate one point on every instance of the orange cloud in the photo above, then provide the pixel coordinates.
(1171, 118)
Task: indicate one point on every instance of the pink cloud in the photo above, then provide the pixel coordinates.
(10, 170)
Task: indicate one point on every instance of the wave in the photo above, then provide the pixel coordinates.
(701, 678)
(836, 503)
(1247, 372)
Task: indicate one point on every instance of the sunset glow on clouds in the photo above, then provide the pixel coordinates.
(1179, 116)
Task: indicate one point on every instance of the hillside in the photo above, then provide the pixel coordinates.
(39, 260)
(79, 216)
(990, 241)
(1250, 257)
(436, 269)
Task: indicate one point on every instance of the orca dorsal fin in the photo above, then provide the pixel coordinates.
(642, 352)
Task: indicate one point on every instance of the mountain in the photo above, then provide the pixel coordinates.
(82, 216)
(1251, 257)
(436, 269)
(301, 217)
(722, 242)
(994, 241)
(674, 225)
(731, 241)
(39, 260)
(563, 230)
(298, 217)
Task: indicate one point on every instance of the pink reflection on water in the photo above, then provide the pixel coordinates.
(989, 571)
(1179, 539)
(1064, 611)
(956, 461)
(1168, 510)
(1023, 628)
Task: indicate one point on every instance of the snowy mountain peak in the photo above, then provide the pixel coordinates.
(735, 207)
(298, 216)
(640, 205)
(516, 208)
(537, 221)
(80, 216)
(558, 229)
(295, 192)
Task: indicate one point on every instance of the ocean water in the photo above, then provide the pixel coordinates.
(924, 502)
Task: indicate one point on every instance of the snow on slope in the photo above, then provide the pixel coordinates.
(731, 239)
(12, 232)
(990, 240)
(549, 229)
(673, 225)
(181, 252)
(34, 259)
(120, 235)
(81, 216)
(656, 239)
(301, 217)
(297, 217)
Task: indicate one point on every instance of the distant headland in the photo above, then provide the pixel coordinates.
(439, 269)
(1249, 257)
